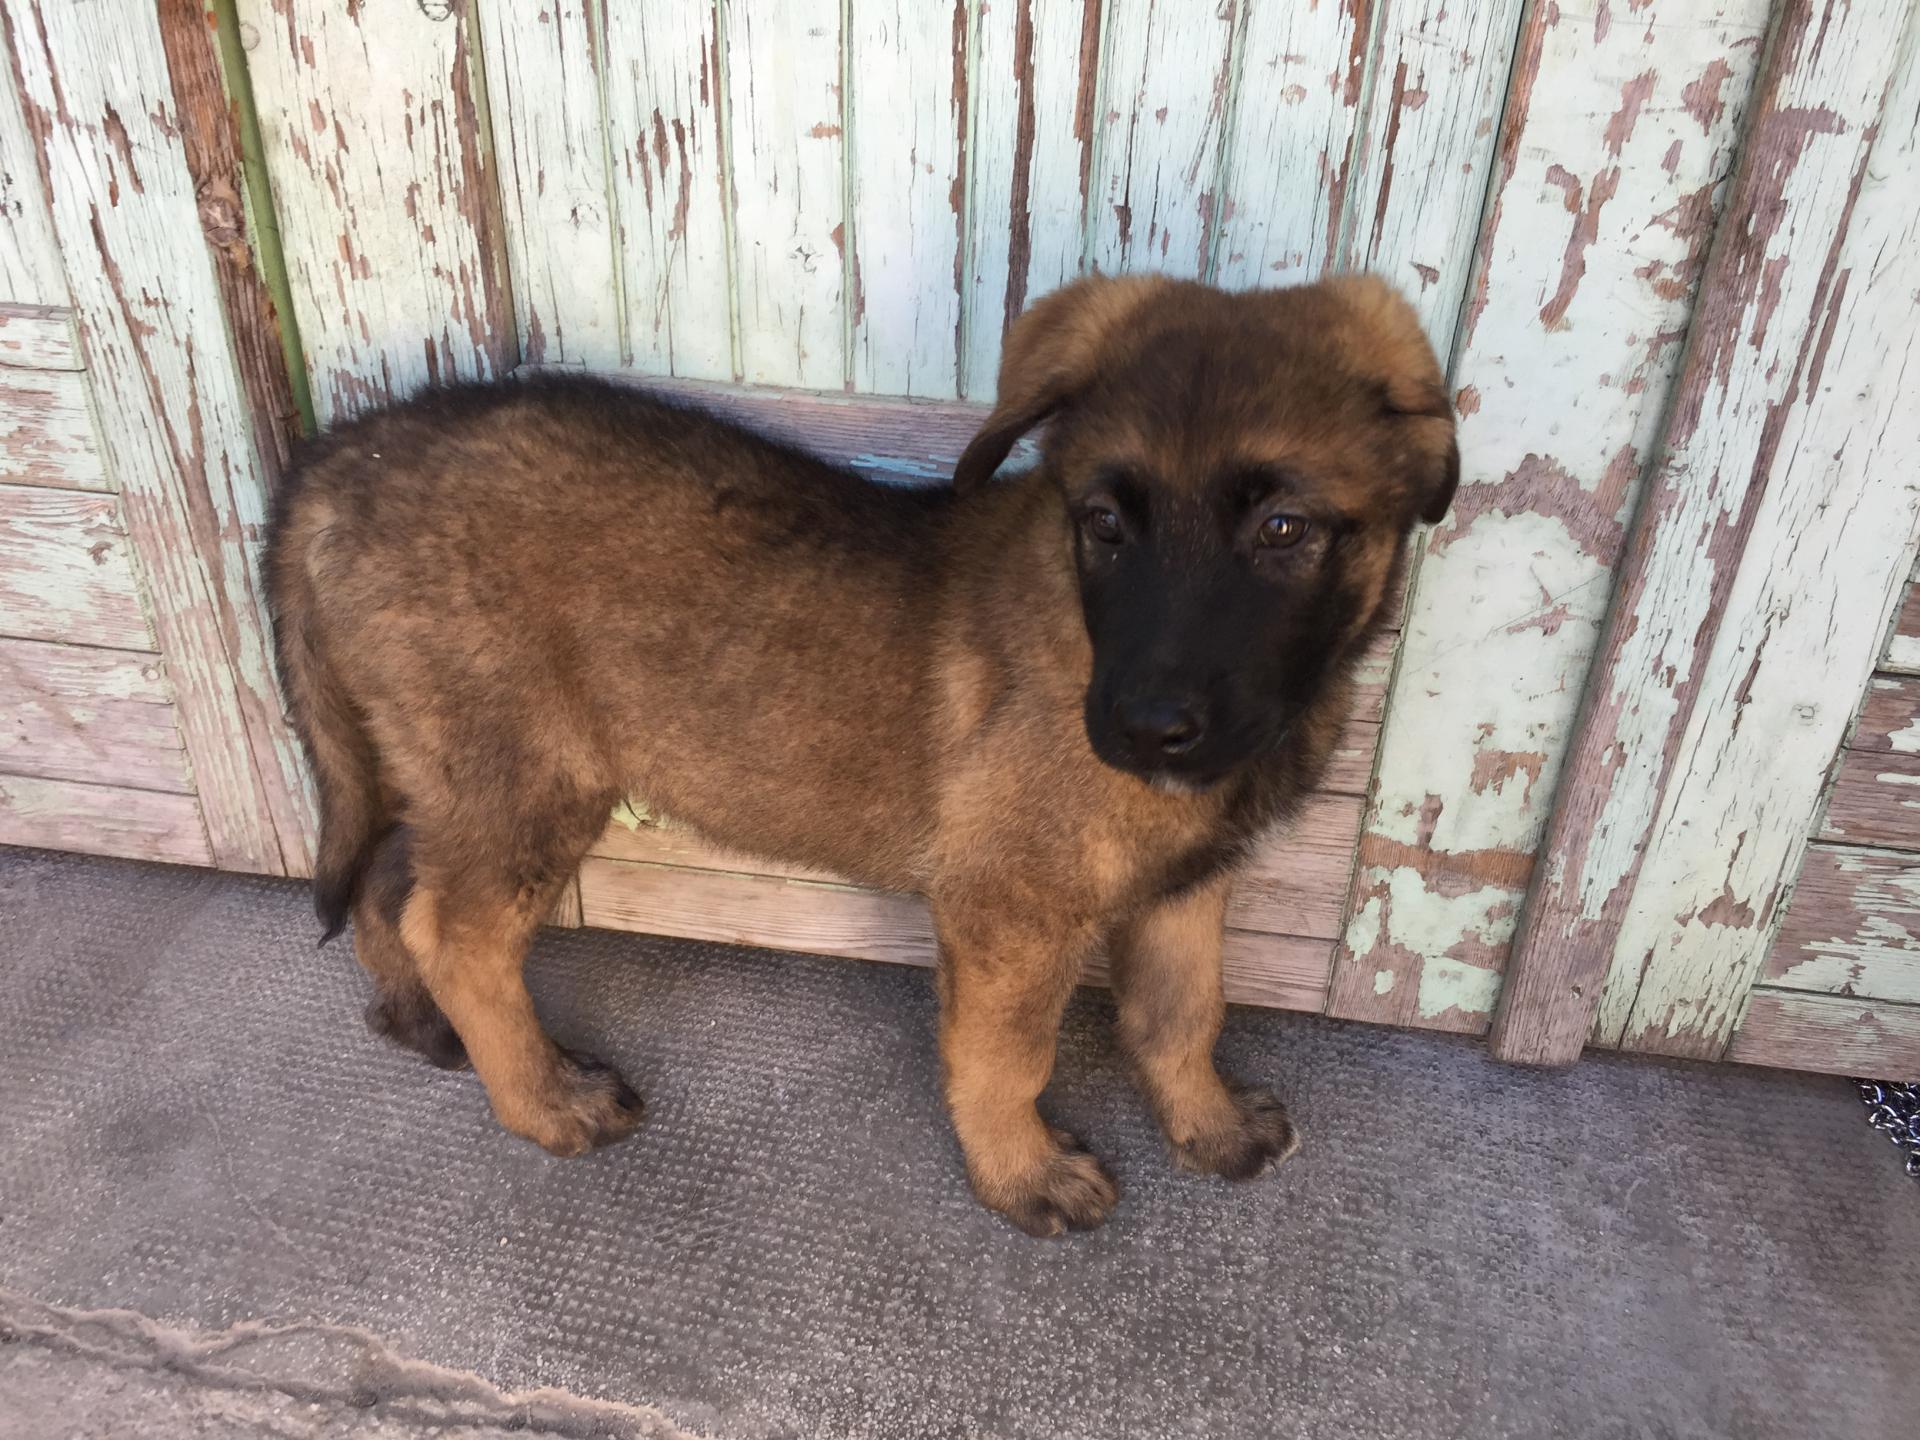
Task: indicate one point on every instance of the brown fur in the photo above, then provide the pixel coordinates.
(500, 609)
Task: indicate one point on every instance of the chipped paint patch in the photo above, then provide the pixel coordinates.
(1382, 981)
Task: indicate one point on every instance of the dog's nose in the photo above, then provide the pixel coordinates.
(1161, 728)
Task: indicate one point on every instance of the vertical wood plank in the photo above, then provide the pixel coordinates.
(666, 73)
(369, 115)
(907, 122)
(30, 270)
(786, 151)
(1775, 540)
(1167, 72)
(210, 140)
(543, 65)
(1603, 207)
(1030, 149)
(1290, 152)
(1421, 169)
(177, 432)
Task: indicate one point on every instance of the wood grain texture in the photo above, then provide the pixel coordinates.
(1830, 1034)
(1567, 356)
(1875, 800)
(66, 570)
(1289, 151)
(1902, 655)
(666, 101)
(102, 820)
(30, 268)
(1030, 157)
(1762, 596)
(178, 434)
(823, 919)
(1166, 75)
(1890, 716)
(38, 337)
(907, 65)
(72, 712)
(1439, 72)
(1853, 928)
(1294, 884)
(544, 86)
(46, 430)
(786, 149)
(382, 184)
(209, 132)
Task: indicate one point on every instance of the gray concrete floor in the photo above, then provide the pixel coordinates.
(226, 1211)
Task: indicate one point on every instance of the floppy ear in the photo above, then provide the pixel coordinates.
(1385, 330)
(1052, 352)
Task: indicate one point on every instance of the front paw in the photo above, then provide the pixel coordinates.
(1067, 1190)
(1252, 1138)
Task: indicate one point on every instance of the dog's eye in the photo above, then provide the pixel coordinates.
(1281, 532)
(1104, 525)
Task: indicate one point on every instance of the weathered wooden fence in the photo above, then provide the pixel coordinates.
(1669, 246)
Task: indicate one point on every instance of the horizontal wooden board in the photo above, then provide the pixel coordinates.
(38, 337)
(1295, 884)
(73, 712)
(820, 919)
(102, 820)
(1829, 1033)
(1854, 927)
(46, 430)
(1890, 717)
(66, 571)
(1875, 801)
(1902, 655)
(911, 439)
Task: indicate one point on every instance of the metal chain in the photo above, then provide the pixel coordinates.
(1893, 1109)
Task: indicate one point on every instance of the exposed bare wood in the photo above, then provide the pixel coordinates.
(1761, 596)
(66, 570)
(1875, 800)
(46, 430)
(1296, 882)
(1853, 928)
(821, 919)
(1829, 1033)
(1902, 656)
(1890, 717)
(210, 139)
(177, 431)
(70, 712)
(387, 205)
(102, 820)
(1567, 353)
(38, 337)
(566, 910)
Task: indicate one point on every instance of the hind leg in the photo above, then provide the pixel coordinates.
(469, 921)
(401, 1010)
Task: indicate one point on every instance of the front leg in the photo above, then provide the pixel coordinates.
(1166, 976)
(1002, 991)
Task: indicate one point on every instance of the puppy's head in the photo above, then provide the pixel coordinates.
(1241, 472)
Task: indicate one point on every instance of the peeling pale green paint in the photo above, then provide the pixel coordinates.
(1449, 985)
(1382, 981)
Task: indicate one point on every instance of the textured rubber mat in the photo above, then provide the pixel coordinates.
(194, 1126)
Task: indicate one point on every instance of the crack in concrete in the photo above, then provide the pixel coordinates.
(340, 1367)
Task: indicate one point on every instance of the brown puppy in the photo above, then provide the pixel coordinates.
(1060, 705)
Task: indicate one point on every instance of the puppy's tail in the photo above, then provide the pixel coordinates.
(345, 767)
